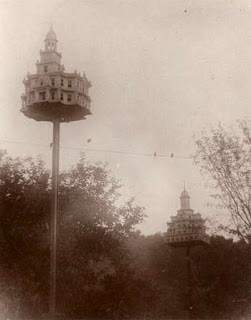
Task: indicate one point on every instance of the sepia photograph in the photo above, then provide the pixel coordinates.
(125, 160)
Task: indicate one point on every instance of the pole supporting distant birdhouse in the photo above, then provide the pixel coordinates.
(186, 230)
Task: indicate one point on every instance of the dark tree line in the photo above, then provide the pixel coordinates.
(106, 269)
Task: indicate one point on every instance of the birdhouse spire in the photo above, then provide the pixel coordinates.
(51, 40)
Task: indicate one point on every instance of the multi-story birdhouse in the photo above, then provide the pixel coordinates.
(52, 93)
(186, 228)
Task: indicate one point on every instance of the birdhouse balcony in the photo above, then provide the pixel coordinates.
(189, 239)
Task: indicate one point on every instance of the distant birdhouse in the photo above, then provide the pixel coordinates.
(53, 94)
(186, 228)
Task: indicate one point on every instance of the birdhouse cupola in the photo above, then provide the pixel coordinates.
(184, 200)
(51, 41)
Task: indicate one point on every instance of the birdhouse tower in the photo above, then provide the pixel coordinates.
(186, 228)
(53, 94)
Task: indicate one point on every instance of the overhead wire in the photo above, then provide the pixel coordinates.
(153, 154)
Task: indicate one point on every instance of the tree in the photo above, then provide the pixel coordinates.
(93, 230)
(106, 269)
(224, 155)
(161, 272)
(93, 234)
(24, 253)
(219, 278)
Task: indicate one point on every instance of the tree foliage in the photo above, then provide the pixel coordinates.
(24, 204)
(106, 269)
(92, 231)
(219, 272)
(224, 155)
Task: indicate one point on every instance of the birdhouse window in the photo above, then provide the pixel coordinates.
(53, 81)
(32, 96)
(41, 96)
(45, 69)
(69, 83)
(69, 97)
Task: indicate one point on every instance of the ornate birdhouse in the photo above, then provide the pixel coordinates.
(186, 228)
(53, 94)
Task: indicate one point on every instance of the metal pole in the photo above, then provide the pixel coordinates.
(189, 282)
(54, 220)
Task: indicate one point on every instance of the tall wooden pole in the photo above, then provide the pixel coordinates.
(189, 283)
(54, 217)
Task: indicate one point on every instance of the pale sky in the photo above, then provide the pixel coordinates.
(161, 71)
